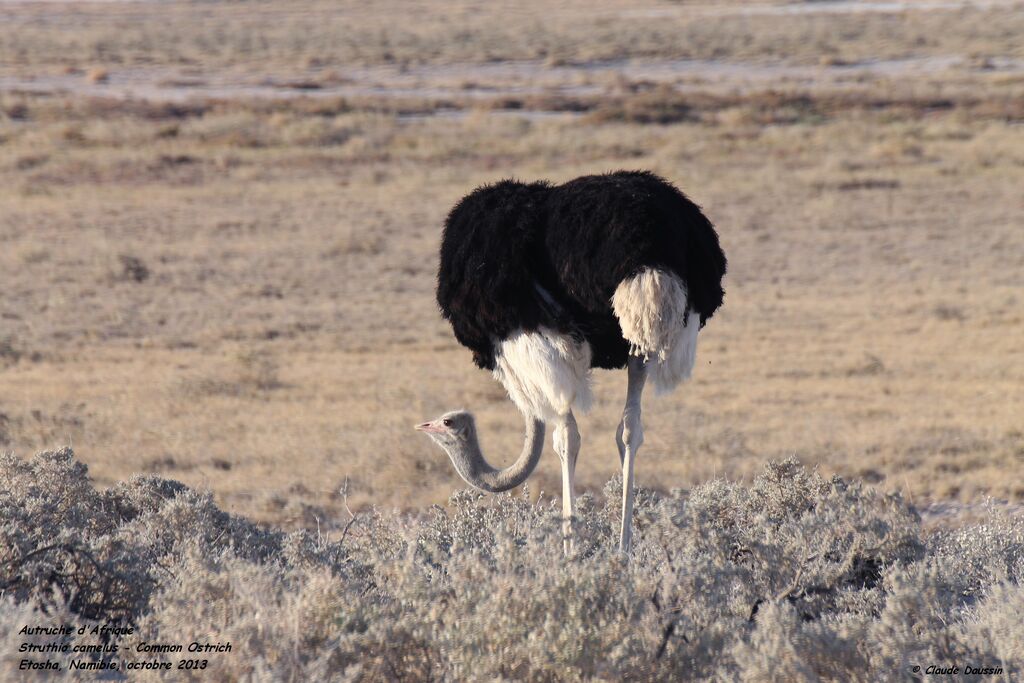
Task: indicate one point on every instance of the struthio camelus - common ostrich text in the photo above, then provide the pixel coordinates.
(544, 282)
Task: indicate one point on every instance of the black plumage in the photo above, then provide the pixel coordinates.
(520, 255)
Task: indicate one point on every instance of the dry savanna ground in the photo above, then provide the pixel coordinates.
(219, 223)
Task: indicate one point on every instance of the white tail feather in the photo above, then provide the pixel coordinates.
(653, 312)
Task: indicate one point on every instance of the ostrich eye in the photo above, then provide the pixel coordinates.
(447, 423)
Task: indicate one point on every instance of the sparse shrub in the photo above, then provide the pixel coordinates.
(9, 351)
(27, 163)
(357, 243)
(15, 111)
(947, 312)
(251, 372)
(122, 268)
(258, 370)
(660, 105)
(315, 132)
(795, 577)
(97, 75)
(132, 268)
(871, 365)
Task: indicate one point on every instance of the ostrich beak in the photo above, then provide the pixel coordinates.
(429, 427)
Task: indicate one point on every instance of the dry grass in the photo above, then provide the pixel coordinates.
(238, 292)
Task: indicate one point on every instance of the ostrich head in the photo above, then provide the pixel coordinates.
(455, 432)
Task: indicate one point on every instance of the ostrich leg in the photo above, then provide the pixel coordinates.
(620, 444)
(566, 439)
(629, 437)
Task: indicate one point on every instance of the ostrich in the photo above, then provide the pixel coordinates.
(544, 282)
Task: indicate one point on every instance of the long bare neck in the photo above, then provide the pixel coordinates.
(471, 465)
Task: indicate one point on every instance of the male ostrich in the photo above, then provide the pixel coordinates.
(545, 282)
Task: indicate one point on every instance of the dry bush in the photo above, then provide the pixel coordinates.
(9, 351)
(250, 372)
(793, 577)
(661, 105)
(97, 75)
(357, 243)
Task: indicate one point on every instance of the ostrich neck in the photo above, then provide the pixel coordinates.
(474, 468)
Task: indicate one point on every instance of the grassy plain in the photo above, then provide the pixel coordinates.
(230, 282)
